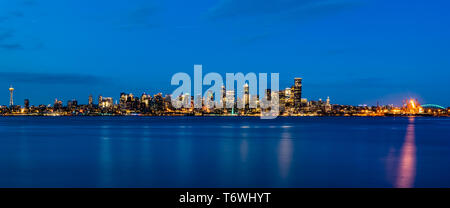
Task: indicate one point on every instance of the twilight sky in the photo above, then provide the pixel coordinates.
(355, 51)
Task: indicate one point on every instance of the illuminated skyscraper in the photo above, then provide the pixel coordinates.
(209, 99)
(91, 100)
(145, 100)
(57, 104)
(298, 93)
(72, 104)
(11, 99)
(287, 93)
(328, 105)
(105, 102)
(246, 95)
(224, 96)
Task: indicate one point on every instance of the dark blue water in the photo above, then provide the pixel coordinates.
(224, 152)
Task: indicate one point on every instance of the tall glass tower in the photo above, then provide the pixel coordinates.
(11, 99)
(298, 93)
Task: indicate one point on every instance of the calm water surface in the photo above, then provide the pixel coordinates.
(224, 152)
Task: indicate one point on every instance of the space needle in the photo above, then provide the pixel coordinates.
(11, 100)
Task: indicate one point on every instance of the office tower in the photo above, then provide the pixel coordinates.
(145, 100)
(11, 98)
(268, 94)
(287, 93)
(282, 99)
(108, 102)
(254, 101)
(224, 96)
(158, 103)
(72, 104)
(328, 105)
(123, 99)
(246, 95)
(230, 98)
(27, 103)
(105, 102)
(209, 99)
(298, 93)
(57, 104)
(129, 102)
(91, 100)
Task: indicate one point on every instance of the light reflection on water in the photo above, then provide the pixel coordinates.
(106, 163)
(224, 152)
(244, 150)
(285, 154)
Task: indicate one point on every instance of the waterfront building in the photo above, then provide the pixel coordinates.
(72, 104)
(209, 99)
(282, 100)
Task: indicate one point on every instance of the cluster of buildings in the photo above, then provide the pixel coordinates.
(289, 103)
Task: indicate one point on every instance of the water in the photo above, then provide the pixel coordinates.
(224, 152)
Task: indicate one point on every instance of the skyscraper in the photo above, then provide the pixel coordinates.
(57, 104)
(224, 96)
(328, 105)
(246, 95)
(11, 99)
(105, 102)
(72, 104)
(27, 103)
(230, 99)
(298, 93)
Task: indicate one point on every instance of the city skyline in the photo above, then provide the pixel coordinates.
(246, 97)
(297, 86)
(225, 102)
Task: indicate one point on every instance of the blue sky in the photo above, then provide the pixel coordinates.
(355, 51)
